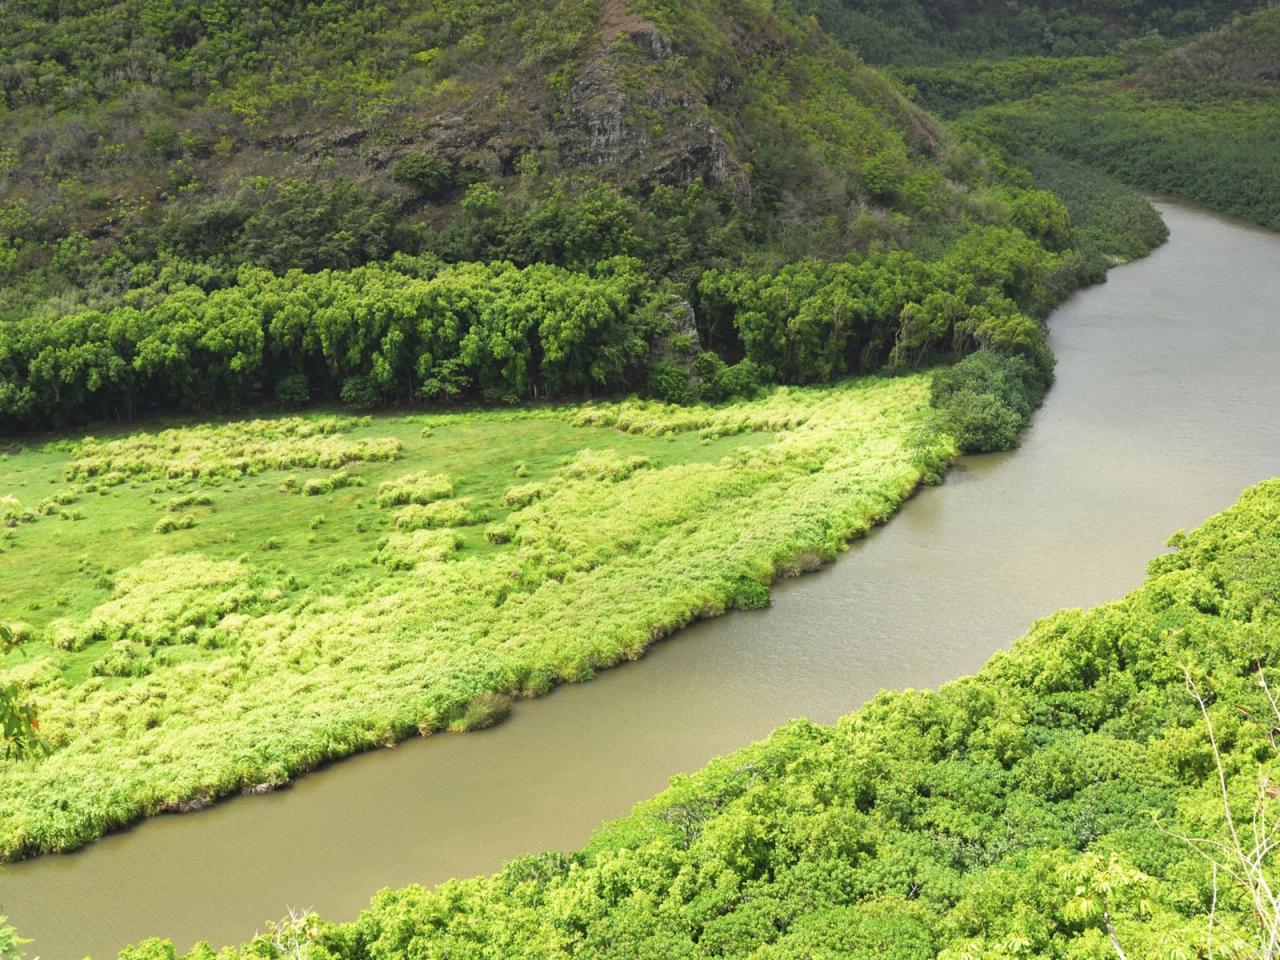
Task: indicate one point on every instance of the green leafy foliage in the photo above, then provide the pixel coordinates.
(367, 335)
(414, 329)
(953, 88)
(429, 175)
(19, 733)
(988, 397)
(10, 943)
(929, 31)
(1196, 120)
(1110, 223)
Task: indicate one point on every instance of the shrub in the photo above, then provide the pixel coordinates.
(988, 397)
(316, 486)
(12, 512)
(523, 495)
(669, 382)
(421, 487)
(293, 390)
(426, 173)
(404, 551)
(743, 380)
(498, 533)
(360, 392)
(188, 500)
(982, 421)
(170, 524)
(430, 516)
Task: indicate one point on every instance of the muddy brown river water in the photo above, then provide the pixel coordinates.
(1167, 405)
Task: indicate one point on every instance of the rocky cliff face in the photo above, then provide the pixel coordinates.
(631, 108)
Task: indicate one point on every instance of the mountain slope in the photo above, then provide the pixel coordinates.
(1199, 121)
(174, 165)
(176, 129)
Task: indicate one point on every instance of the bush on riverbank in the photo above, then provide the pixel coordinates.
(987, 398)
(1034, 809)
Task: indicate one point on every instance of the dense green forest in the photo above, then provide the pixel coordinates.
(929, 31)
(1195, 119)
(1070, 793)
(498, 203)
(1198, 121)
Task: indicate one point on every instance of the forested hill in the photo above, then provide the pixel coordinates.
(327, 135)
(926, 31)
(489, 201)
(1198, 120)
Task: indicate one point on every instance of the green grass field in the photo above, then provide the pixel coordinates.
(206, 608)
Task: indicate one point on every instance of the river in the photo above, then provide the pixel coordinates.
(1167, 405)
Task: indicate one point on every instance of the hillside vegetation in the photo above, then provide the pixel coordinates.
(207, 208)
(216, 607)
(1194, 117)
(564, 131)
(931, 31)
(1061, 797)
(1199, 121)
(211, 208)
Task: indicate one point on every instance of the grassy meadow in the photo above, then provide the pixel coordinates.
(204, 608)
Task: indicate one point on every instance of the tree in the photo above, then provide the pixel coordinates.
(1244, 856)
(10, 942)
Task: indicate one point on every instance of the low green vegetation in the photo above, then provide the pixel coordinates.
(207, 608)
(1085, 793)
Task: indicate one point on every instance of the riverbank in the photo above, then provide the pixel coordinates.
(285, 592)
(1038, 806)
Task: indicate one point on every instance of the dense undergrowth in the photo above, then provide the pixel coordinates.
(216, 607)
(1033, 810)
